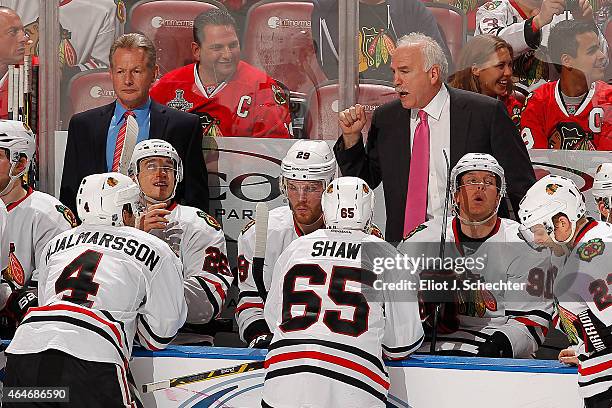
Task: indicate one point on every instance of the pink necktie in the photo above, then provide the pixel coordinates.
(416, 198)
(120, 141)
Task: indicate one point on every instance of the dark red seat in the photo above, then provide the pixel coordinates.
(322, 118)
(453, 22)
(278, 40)
(169, 24)
(90, 89)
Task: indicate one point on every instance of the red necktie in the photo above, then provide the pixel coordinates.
(416, 198)
(120, 140)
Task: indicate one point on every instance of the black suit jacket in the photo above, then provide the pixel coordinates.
(86, 150)
(478, 123)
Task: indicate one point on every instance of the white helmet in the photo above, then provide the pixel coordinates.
(309, 160)
(602, 185)
(548, 197)
(18, 139)
(101, 198)
(348, 203)
(477, 162)
(152, 148)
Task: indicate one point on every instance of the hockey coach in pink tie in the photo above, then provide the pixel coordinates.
(408, 138)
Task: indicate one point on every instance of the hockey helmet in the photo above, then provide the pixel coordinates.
(348, 203)
(602, 185)
(154, 148)
(308, 160)
(101, 198)
(18, 139)
(548, 197)
(477, 162)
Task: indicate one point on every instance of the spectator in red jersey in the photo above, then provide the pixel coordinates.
(575, 112)
(485, 66)
(231, 97)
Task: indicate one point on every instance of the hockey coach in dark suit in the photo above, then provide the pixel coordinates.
(408, 137)
(95, 137)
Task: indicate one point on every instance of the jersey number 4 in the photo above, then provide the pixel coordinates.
(81, 285)
(312, 303)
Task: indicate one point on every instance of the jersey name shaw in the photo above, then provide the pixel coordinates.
(336, 249)
(131, 247)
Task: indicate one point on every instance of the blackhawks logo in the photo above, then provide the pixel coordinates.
(476, 302)
(279, 95)
(210, 125)
(210, 220)
(570, 136)
(567, 320)
(376, 48)
(14, 271)
(492, 5)
(551, 188)
(68, 215)
(374, 230)
(111, 181)
(414, 231)
(590, 249)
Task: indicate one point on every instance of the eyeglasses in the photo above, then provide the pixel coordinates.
(153, 168)
(472, 182)
(307, 189)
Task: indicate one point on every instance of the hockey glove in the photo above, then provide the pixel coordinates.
(497, 346)
(18, 304)
(171, 235)
(262, 341)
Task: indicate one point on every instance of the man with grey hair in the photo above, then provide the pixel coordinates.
(458, 122)
(96, 136)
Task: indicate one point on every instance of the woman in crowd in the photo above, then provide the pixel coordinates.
(485, 66)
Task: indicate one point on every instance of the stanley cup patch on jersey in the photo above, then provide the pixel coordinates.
(210, 220)
(590, 249)
(179, 102)
(68, 215)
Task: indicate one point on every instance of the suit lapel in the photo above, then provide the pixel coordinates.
(157, 121)
(460, 116)
(100, 135)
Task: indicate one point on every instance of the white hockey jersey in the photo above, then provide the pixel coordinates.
(99, 287)
(519, 304)
(32, 222)
(88, 29)
(330, 334)
(281, 232)
(583, 306)
(206, 271)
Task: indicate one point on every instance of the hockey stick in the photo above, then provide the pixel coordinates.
(261, 237)
(131, 137)
(204, 376)
(434, 332)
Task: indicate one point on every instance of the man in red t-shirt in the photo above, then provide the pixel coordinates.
(575, 112)
(231, 97)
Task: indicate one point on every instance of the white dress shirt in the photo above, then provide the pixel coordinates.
(438, 118)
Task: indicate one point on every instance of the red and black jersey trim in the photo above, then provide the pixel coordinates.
(273, 373)
(403, 349)
(597, 380)
(118, 322)
(333, 345)
(158, 339)
(80, 323)
(211, 298)
(539, 313)
(248, 293)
